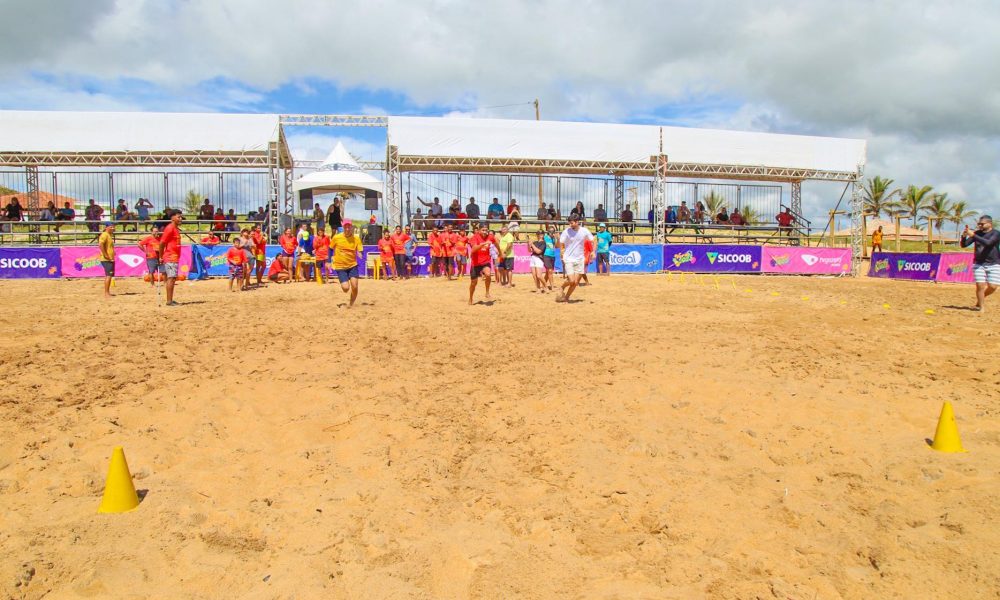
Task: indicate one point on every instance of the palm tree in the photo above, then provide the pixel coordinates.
(713, 203)
(192, 202)
(959, 214)
(878, 198)
(915, 200)
(752, 216)
(938, 210)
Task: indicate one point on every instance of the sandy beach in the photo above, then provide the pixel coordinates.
(738, 437)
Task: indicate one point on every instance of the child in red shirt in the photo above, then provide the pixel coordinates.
(236, 260)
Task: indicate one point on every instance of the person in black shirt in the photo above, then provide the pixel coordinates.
(986, 262)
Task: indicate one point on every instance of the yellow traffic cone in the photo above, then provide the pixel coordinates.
(119, 492)
(946, 437)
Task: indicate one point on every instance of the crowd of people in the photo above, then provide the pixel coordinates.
(482, 254)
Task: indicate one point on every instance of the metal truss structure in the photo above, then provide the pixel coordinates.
(619, 194)
(335, 120)
(857, 220)
(797, 197)
(274, 181)
(31, 174)
(393, 187)
(366, 165)
(659, 200)
(137, 159)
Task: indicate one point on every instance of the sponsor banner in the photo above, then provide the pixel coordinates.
(711, 258)
(522, 259)
(421, 260)
(130, 261)
(29, 263)
(210, 261)
(635, 258)
(955, 267)
(904, 265)
(806, 261)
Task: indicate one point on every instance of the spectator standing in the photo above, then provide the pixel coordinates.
(877, 240)
(434, 209)
(472, 210)
(319, 219)
(495, 211)
(106, 242)
(986, 258)
(92, 215)
(207, 211)
(785, 219)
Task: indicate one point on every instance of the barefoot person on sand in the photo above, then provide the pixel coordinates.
(986, 262)
(106, 241)
(346, 247)
(480, 245)
(574, 256)
(170, 253)
(150, 245)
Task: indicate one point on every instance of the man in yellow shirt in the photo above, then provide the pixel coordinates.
(345, 247)
(877, 240)
(505, 260)
(106, 242)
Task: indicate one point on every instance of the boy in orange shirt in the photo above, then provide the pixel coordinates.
(321, 250)
(461, 244)
(386, 255)
(288, 244)
(236, 260)
(150, 245)
(448, 249)
(259, 249)
(437, 252)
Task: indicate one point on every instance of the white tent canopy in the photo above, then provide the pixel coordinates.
(94, 132)
(338, 173)
(603, 142)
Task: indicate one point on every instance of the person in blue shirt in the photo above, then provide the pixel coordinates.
(603, 249)
(551, 240)
(495, 210)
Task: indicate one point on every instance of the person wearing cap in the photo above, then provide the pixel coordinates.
(346, 247)
(603, 249)
(573, 241)
(986, 258)
(106, 242)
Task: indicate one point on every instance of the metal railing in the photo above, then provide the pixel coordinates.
(70, 233)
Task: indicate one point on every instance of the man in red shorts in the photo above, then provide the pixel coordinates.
(170, 253)
(480, 247)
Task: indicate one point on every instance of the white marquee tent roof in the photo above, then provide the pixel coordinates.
(338, 173)
(64, 133)
(614, 143)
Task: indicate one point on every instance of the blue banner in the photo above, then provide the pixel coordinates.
(904, 265)
(636, 258)
(421, 260)
(711, 258)
(210, 261)
(30, 263)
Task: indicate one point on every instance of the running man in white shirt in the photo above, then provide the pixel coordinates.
(574, 256)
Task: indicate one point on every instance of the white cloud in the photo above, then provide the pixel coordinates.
(914, 77)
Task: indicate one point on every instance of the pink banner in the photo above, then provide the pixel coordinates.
(521, 256)
(130, 261)
(955, 267)
(806, 261)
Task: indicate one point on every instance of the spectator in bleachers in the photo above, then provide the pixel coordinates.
(261, 214)
(513, 210)
(66, 213)
(456, 206)
(684, 213)
(211, 239)
(628, 219)
(93, 215)
(495, 210)
(14, 211)
(219, 223)
(785, 219)
(736, 218)
(142, 207)
(723, 217)
(121, 211)
(434, 209)
(553, 213)
(207, 211)
(670, 216)
(600, 215)
(231, 221)
(649, 216)
(48, 213)
(699, 212)
(578, 210)
(472, 209)
(543, 213)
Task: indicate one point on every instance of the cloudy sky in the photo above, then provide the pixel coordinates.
(912, 77)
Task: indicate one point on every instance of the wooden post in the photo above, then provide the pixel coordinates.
(898, 217)
(864, 235)
(541, 200)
